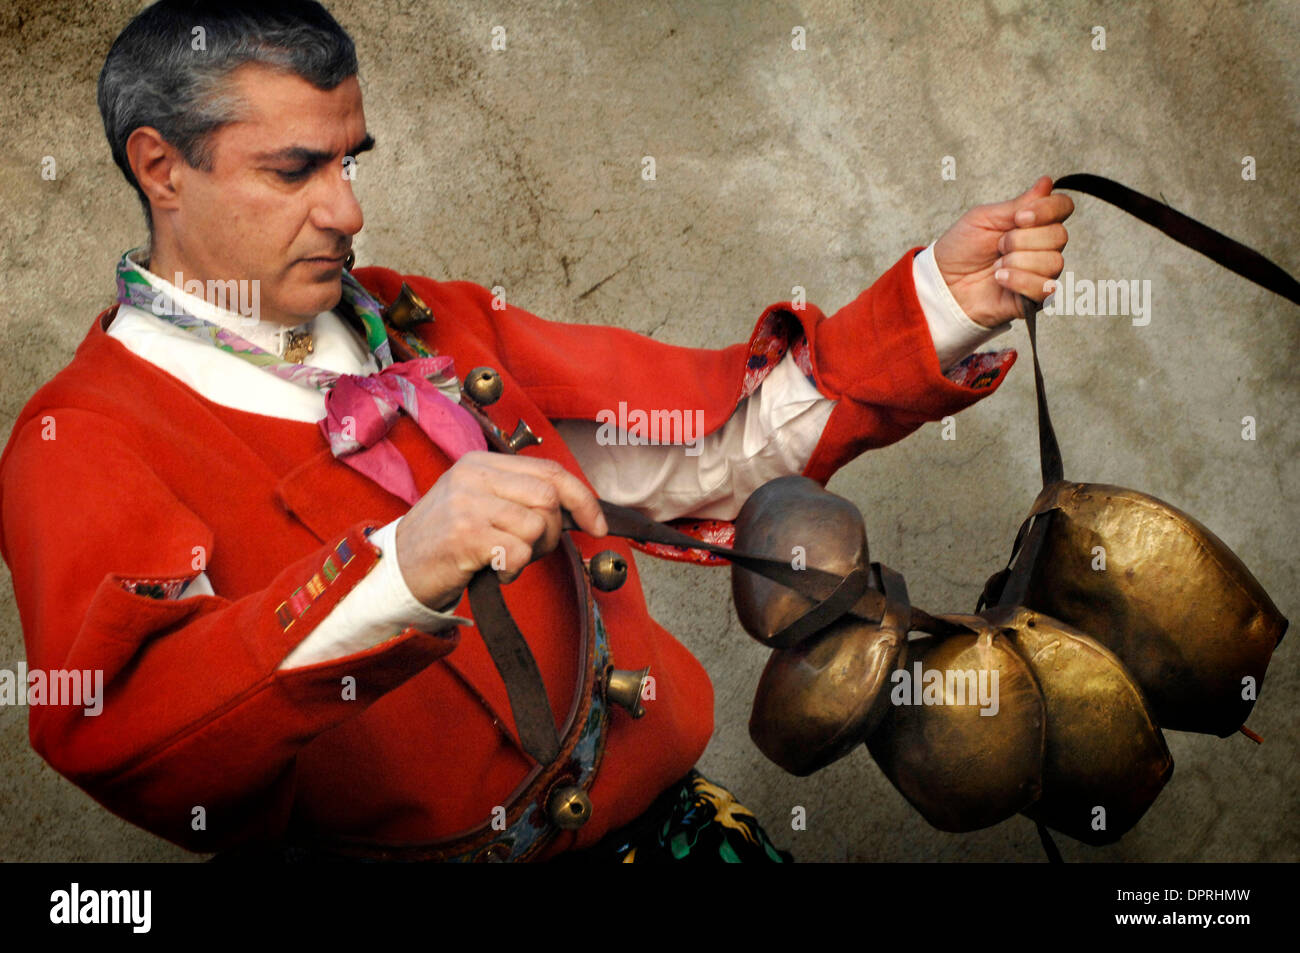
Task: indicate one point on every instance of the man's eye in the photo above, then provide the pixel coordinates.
(293, 175)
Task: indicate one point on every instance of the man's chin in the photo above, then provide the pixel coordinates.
(322, 294)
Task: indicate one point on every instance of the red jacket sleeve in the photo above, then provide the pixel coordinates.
(877, 358)
(874, 356)
(194, 712)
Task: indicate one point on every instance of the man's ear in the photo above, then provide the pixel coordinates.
(155, 163)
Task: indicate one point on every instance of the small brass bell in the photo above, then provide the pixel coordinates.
(623, 687)
(569, 807)
(484, 386)
(407, 310)
(608, 570)
(523, 437)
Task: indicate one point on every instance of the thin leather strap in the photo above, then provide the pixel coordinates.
(1185, 230)
(517, 666)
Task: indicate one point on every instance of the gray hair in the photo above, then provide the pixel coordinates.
(169, 68)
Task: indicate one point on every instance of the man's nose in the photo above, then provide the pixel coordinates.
(337, 208)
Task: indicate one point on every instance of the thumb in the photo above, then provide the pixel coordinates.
(1003, 214)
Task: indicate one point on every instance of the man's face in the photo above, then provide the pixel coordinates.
(277, 205)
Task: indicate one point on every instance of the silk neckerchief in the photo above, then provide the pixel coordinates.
(360, 409)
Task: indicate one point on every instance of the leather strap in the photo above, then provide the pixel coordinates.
(1009, 586)
(517, 667)
(1185, 230)
(836, 595)
(832, 593)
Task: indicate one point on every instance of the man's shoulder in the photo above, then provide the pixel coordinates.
(102, 378)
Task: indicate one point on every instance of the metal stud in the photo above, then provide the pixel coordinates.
(569, 807)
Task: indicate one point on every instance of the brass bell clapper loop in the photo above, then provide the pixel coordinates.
(608, 570)
(407, 310)
(624, 687)
(523, 437)
(482, 387)
(569, 807)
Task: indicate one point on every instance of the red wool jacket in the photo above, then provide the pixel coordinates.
(118, 477)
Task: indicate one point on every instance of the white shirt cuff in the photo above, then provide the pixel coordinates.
(954, 334)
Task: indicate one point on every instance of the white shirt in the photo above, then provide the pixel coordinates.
(771, 434)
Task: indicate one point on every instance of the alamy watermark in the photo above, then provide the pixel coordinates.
(76, 905)
(937, 686)
(640, 428)
(1085, 297)
(238, 296)
(58, 687)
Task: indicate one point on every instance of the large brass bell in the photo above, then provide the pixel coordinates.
(1105, 759)
(817, 701)
(960, 768)
(792, 518)
(1182, 612)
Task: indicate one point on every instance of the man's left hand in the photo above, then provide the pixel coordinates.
(996, 253)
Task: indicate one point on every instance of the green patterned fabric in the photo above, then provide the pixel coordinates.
(693, 821)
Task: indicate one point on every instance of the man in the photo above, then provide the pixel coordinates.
(270, 556)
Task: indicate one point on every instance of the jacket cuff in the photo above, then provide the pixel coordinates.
(877, 358)
(379, 607)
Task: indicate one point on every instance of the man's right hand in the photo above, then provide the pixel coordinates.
(485, 501)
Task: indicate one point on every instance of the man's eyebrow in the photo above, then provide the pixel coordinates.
(306, 155)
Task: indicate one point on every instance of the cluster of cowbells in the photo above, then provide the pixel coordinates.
(1135, 618)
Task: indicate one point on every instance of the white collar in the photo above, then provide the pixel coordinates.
(264, 334)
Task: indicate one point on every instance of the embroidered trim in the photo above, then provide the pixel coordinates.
(716, 532)
(166, 588)
(301, 599)
(778, 332)
(981, 370)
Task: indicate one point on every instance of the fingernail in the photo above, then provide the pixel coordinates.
(1001, 274)
(998, 263)
(1025, 217)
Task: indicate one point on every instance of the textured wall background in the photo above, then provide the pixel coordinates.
(778, 168)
